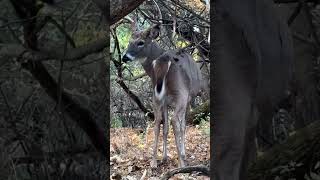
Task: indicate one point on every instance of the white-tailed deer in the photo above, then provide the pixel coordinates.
(175, 78)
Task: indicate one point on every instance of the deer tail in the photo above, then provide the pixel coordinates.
(161, 69)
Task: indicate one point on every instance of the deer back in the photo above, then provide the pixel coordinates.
(179, 72)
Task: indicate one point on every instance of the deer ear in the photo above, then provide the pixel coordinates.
(154, 32)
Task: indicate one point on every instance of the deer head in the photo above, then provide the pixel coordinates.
(140, 46)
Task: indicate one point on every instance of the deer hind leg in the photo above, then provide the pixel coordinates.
(165, 133)
(182, 119)
(158, 117)
(177, 137)
(179, 127)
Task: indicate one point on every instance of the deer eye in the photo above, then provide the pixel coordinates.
(140, 44)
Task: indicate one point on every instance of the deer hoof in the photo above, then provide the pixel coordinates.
(164, 159)
(182, 164)
(153, 164)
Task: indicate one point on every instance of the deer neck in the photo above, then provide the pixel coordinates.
(154, 52)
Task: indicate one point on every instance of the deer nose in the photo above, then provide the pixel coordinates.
(125, 58)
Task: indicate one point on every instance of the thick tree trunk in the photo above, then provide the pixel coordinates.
(302, 147)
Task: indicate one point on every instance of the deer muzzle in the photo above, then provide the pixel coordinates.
(127, 57)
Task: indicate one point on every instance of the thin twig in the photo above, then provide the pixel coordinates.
(136, 77)
(7, 103)
(294, 14)
(190, 11)
(313, 28)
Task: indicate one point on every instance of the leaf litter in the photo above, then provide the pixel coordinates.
(131, 153)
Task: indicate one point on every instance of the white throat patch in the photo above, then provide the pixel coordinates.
(130, 56)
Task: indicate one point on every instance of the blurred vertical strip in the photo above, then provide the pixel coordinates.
(108, 119)
(106, 13)
(104, 6)
(212, 65)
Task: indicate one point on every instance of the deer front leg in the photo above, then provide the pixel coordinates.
(165, 133)
(153, 163)
(182, 119)
(177, 138)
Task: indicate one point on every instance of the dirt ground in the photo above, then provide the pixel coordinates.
(131, 150)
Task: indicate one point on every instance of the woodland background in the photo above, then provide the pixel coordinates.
(50, 126)
(184, 25)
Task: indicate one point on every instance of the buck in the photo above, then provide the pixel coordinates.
(175, 79)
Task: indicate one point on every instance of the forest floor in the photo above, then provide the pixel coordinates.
(131, 150)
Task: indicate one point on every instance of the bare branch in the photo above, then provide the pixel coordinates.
(15, 50)
(313, 29)
(136, 77)
(189, 169)
(119, 9)
(190, 11)
(7, 104)
(49, 19)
